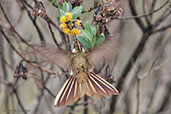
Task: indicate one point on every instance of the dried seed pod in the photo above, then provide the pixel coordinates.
(39, 9)
(107, 11)
(20, 71)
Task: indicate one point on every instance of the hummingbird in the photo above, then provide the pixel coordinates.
(80, 63)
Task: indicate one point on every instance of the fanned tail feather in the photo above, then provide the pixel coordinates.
(93, 86)
(68, 92)
(100, 85)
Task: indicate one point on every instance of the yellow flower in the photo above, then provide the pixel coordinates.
(69, 15)
(78, 22)
(75, 31)
(63, 19)
(70, 33)
(63, 25)
(67, 31)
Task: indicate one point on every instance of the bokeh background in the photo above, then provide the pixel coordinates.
(142, 70)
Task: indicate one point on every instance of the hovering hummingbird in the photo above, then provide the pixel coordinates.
(82, 79)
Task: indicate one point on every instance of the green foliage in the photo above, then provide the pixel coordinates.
(76, 11)
(67, 7)
(84, 41)
(54, 2)
(89, 38)
(100, 39)
(61, 12)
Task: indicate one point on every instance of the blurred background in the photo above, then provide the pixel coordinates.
(142, 70)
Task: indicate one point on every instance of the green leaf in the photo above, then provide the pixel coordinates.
(76, 11)
(83, 41)
(100, 39)
(66, 7)
(94, 41)
(88, 26)
(70, 5)
(61, 13)
(94, 31)
(59, 6)
(87, 35)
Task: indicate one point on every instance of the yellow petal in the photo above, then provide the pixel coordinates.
(69, 15)
(75, 31)
(78, 22)
(63, 19)
(63, 26)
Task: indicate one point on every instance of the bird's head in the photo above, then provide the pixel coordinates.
(77, 47)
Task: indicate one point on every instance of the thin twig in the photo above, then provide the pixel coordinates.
(47, 89)
(163, 17)
(152, 8)
(147, 32)
(48, 19)
(19, 101)
(143, 15)
(162, 28)
(12, 28)
(53, 35)
(29, 62)
(144, 11)
(34, 23)
(92, 8)
(134, 13)
(5, 76)
(138, 95)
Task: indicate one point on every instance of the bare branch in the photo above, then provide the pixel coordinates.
(19, 102)
(134, 13)
(144, 11)
(34, 65)
(162, 28)
(143, 15)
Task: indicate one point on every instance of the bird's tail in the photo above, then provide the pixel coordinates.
(75, 88)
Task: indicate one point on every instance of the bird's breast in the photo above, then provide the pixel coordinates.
(79, 65)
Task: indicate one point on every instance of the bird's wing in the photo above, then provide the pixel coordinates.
(53, 54)
(104, 52)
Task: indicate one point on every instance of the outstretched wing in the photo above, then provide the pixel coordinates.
(53, 54)
(105, 52)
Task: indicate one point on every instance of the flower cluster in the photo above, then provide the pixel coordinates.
(68, 25)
